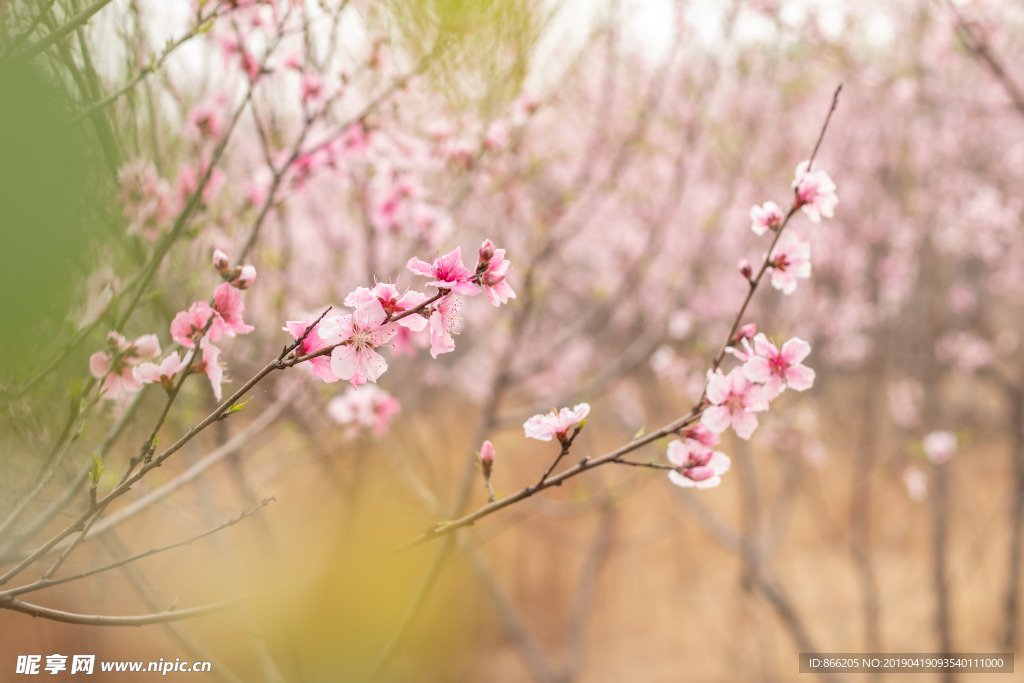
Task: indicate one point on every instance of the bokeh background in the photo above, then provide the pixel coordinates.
(614, 149)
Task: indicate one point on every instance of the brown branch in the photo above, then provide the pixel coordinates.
(103, 620)
(445, 528)
(47, 583)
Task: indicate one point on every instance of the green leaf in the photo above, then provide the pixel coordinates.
(96, 469)
(237, 408)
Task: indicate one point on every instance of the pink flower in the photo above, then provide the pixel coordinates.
(815, 193)
(392, 301)
(227, 302)
(497, 135)
(205, 118)
(790, 260)
(495, 278)
(115, 366)
(150, 373)
(358, 334)
(555, 423)
(312, 89)
(209, 365)
(321, 365)
(734, 400)
(701, 467)
(403, 344)
(766, 217)
(449, 272)
(368, 407)
(442, 323)
(187, 323)
(146, 199)
(777, 369)
(939, 447)
(915, 483)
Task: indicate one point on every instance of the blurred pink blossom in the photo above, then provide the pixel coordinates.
(702, 468)
(766, 217)
(815, 193)
(791, 260)
(367, 407)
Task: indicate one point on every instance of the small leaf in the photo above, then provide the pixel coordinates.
(639, 433)
(236, 408)
(96, 469)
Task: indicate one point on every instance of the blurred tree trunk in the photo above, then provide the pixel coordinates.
(1012, 593)
(860, 515)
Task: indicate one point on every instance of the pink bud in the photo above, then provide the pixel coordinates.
(486, 251)
(487, 457)
(746, 332)
(745, 269)
(220, 261)
(245, 278)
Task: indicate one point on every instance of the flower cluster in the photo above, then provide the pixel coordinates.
(790, 259)
(766, 372)
(698, 466)
(381, 313)
(146, 199)
(200, 325)
(117, 364)
(734, 399)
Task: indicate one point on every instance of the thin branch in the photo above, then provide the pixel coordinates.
(59, 33)
(40, 585)
(447, 527)
(103, 620)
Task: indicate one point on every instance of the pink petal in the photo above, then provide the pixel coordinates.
(420, 267)
(128, 380)
(716, 418)
(677, 453)
(718, 388)
(681, 481)
(800, 377)
(795, 350)
(720, 462)
(744, 422)
(757, 369)
(98, 364)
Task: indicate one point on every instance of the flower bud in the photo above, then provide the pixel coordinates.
(486, 252)
(746, 332)
(245, 278)
(745, 269)
(487, 458)
(220, 261)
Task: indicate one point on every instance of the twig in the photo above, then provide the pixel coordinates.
(102, 620)
(47, 583)
(66, 28)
